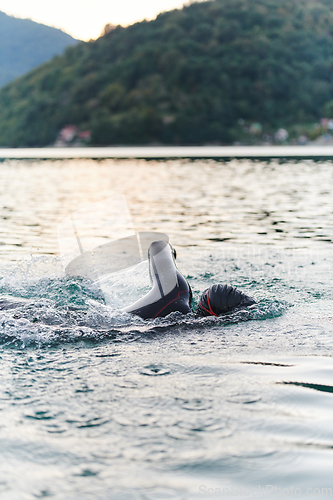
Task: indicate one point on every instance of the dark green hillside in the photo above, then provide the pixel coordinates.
(25, 44)
(185, 78)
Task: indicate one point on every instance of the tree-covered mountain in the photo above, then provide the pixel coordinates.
(191, 76)
(25, 44)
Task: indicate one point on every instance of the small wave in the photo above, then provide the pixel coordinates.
(45, 324)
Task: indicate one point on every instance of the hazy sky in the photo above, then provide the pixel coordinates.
(85, 19)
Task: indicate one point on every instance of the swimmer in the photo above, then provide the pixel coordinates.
(171, 292)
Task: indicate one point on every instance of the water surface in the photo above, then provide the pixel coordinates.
(97, 404)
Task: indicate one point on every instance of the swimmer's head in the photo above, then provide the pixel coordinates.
(221, 299)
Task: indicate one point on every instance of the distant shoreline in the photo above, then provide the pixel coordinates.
(160, 152)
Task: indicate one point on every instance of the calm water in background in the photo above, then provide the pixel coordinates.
(95, 404)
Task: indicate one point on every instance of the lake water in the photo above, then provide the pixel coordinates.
(97, 404)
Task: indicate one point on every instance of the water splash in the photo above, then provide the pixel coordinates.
(40, 310)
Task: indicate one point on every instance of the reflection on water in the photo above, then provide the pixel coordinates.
(196, 203)
(95, 403)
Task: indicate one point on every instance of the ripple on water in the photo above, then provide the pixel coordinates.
(155, 370)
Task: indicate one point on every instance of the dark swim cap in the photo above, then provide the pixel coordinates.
(220, 299)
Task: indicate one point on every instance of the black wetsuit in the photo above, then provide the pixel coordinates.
(171, 292)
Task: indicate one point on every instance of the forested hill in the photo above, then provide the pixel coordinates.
(189, 77)
(25, 44)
